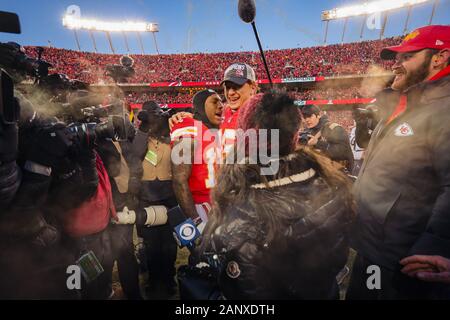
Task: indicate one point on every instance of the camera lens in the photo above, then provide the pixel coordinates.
(84, 134)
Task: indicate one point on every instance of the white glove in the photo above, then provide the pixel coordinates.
(125, 216)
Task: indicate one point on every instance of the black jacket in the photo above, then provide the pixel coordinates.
(302, 261)
(403, 189)
(10, 176)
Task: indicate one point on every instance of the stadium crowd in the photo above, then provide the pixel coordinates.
(343, 118)
(332, 60)
(170, 97)
(319, 93)
(298, 94)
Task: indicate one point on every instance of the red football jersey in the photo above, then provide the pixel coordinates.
(230, 118)
(228, 131)
(202, 175)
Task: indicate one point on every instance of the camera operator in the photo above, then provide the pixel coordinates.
(88, 206)
(64, 180)
(117, 158)
(79, 198)
(121, 72)
(15, 61)
(366, 120)
(328, 138)
(151, 183)
(32, 264)
(82, 201)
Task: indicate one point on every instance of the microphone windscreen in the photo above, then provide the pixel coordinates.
(9, 22)
(247, 10)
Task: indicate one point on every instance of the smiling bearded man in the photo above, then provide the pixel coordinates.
(402, 192)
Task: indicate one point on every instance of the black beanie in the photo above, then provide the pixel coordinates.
(199, 106)
(150, 106)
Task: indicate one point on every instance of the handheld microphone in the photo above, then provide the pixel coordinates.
(185, 230)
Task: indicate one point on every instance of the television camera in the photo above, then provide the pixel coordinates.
(121, 72)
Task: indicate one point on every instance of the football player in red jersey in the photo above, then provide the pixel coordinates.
(239, 84)
(193, 175)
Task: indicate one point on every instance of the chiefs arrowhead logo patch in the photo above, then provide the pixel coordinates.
(404, 130)
(233, 270)
(439, 43)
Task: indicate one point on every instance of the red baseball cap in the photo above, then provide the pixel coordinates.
(429, 37)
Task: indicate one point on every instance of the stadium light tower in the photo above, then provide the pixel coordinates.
(93, 40)
(154, 27)
(75, 23)
(140, 42)
(368, 9)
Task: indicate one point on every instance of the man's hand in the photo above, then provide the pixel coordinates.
(427, 268)
(313, 140)
(178, 117)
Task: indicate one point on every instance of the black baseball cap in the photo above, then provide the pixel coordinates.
(239, 73)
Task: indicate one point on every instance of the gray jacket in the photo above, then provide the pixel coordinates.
(403, 189)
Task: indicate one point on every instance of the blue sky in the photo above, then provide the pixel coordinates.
(203, 25)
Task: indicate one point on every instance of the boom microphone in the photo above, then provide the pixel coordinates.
(247, 10)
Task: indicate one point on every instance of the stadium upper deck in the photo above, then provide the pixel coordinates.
(332, 60)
